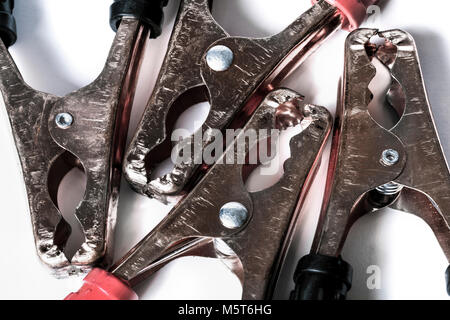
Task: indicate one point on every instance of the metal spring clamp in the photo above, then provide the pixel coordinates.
(85, 129)
(203, 63)
(253, 247)
(371, 167)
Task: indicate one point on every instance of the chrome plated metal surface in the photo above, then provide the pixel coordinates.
(204, 63)
(372, 167)
(85, 129)
(255, 245)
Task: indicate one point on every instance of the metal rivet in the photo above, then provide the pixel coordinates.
(219, 58)
(390, 157)
(64, 120)
(233, 215)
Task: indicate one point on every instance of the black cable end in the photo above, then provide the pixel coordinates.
(149, 12)
(319, 277)
(8, 30)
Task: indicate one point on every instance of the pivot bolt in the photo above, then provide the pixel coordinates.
(219, 58)
(64, 120)
(233, 215)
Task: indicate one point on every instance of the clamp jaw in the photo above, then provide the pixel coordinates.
(372, 167)
(204, 63)
(86, 129)
(249, 231)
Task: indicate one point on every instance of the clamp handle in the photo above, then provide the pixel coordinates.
(320, 277)
(102, 285)
(355, 11)
(8, 31)
(149, 12)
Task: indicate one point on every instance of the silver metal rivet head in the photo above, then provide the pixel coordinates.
(64, 120)
(390, 157)
(233, 215)
(219, 58)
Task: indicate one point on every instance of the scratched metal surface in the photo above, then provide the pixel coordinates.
(48, 152)
(185, 79)
(68, 54)
(360, 141)
(260, 244)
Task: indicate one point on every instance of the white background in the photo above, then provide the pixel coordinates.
(63, 45)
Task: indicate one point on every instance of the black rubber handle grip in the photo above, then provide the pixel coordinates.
(8, 31)
(319, 277)
(149, 12)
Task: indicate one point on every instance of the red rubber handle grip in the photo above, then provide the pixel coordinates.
(355, 11)
(102, 285)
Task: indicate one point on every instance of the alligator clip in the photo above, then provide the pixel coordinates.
(249, 231)
(203, 63)
(85, 129)
(372, 167)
